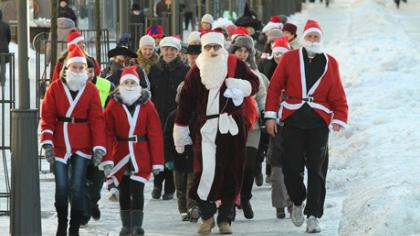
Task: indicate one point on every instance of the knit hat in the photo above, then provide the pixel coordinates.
(213, 37)
(291, 28)
(156, 31)
(249, 19)
(247, 42)
(221, 23)
(312, 26)
(274, 23)
(207, 18)
(170, 41)
(273, 34)
(75, 55)
(147, 40)
(194, 38)
(129, 73)
(281, 45)
(73, 37)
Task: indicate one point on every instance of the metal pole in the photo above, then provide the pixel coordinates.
(175, 17)
(98, 30)
(25, 218)
(124, 16)
(53, 40)
(200, 13)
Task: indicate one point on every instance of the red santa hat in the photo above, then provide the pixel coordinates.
(312, 26)
(240, 30)
(281, 45)
(130, 73)
(74, 37)
(213, 37)
(274, 23)
(75, 55)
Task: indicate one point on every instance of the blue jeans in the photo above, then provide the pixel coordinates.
(78, 181)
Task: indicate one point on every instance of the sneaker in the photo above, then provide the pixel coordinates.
(156, 193)
(168, 196)
(312, 225)
(297, 215)
(280, 213)
(247, 209)
(96, 213)
(259, 180)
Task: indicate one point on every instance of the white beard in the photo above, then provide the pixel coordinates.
(213, 70)
(76, 81)
(129, 95)
(313, 48)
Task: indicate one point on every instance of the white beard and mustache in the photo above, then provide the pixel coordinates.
(129, 95)
(213, 70)
(313, 48)
(76, 81)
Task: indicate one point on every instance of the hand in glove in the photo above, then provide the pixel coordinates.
(49, 153)
(114, 194)
(156, 171)
(97, 156)
(180, 149)
(169, 165)
(107, 170)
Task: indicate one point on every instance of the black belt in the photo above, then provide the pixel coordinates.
(135, 138)
(72, 119)
(308, 99)
(212, 116)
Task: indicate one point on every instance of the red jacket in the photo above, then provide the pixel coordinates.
(328, 92)
(72, 138)
(146, 154)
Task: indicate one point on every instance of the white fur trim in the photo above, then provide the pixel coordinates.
(158, 167)
(120, 164)
(84, 155)
(103, 164)
(271, 25)
(129, 77)
(312, 30)
(76, 59)
(339, 122)
(213, 38)
(47, 131)
(132, 120)
(181, 135)
(99, 148)
(270, 115)
(279, 50)
(138, 179)
(76, 40)
(47, 142)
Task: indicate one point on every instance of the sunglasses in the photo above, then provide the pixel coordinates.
(215, 47)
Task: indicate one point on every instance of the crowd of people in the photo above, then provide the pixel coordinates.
(199, 116)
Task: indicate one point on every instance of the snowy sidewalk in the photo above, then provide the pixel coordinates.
(373, 183)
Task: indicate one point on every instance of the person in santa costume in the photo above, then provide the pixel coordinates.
(216, 89)
(135, 138)
(74, 37)
(306, 96)
(72, 129)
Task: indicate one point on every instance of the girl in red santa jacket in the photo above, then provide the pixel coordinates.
(72, 127)
(135, 136)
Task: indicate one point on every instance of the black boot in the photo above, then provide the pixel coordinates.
(75, 219)
(247, 209)
(62, 213)
(125, 220)
(136, 223)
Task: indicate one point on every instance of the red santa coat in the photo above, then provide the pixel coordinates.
(329, 98)
(72, 138)
(145, 155)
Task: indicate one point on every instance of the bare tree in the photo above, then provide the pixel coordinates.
(98, 30)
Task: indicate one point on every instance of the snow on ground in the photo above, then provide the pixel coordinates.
(373, 184)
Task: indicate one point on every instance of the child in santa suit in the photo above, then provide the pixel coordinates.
(72, 128)
(135, 138)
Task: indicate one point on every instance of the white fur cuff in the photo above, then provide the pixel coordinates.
(243, 85)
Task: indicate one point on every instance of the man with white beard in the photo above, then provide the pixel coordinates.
(305, 97)
(216, 90)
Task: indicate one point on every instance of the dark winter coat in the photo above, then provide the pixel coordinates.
(162, 8)
(267, 67)
(182, 162)
(5, 36)
(67, 12)
(164, 80)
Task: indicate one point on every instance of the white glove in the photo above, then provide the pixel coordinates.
(114, 195)
(243, 85)
(181, 137)
(236, 94)
(107, 170)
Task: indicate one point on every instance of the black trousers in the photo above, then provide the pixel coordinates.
(208, 209)
(249, 173)
(187, 19)
(167, 177)
(262, 152)
(94, 182)
(306, 147)
(131, 194)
